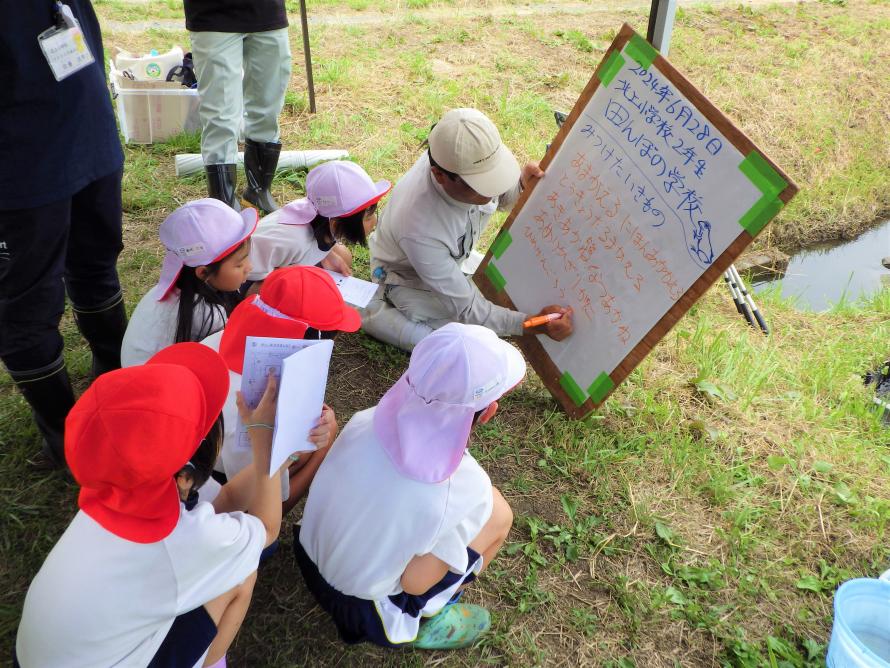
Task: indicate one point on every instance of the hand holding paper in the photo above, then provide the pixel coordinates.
(325, 431)
(259, 421)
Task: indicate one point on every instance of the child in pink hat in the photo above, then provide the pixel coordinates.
(207, 261)
(400, 517)
(340, 205)
(138, 578)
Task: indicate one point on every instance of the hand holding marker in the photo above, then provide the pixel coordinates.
(554, 321)
(541, 320)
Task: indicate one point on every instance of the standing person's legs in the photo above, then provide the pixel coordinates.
(267, 62)
(94, 243)
(32, 299)
(218, 61)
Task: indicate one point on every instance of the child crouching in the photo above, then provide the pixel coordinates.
(136, 579)
(293, 303)
(400, 517)
(206, 263)
(340, 206)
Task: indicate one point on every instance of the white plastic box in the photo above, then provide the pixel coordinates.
(153, 111)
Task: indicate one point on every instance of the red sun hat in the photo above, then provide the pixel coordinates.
(291, 300)
(134, 428)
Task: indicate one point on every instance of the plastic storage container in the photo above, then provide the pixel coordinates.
(152, 111)
(150, 67)
(860, 636)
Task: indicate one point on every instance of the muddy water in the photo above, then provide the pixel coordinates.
(819, 277)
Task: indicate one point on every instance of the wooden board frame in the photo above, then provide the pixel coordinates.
(534, 351)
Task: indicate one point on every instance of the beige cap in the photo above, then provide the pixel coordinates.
(468, 144)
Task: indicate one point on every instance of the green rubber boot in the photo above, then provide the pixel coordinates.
(456, 626)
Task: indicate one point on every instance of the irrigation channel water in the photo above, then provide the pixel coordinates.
(821, 276)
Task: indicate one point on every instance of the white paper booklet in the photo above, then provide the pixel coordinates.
(301, 367)
(304, 378)
(354, 290)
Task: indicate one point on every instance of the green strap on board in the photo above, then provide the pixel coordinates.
(600, 387)
(572, 388)
(762, 175)
(501, 244)
(756, 218)
(497, 278)
(768, 181)
(641, 51)
(610, 68)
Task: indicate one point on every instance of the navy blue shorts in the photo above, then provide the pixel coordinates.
(185, 643)
(357, 619)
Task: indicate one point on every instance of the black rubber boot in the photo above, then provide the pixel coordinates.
(103, 328)
(221, 181)
(260, 161)
(48, 392)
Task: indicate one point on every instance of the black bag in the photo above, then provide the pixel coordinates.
(185, 73)
(880, 378)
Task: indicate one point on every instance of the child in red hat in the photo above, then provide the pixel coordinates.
(136, 579)
(297, 303)
(207, 261)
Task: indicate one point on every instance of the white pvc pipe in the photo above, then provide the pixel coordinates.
(190, 163)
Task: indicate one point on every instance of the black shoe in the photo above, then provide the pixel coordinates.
(260, 161)
(103, 328)
(221, 181)
(48, 392)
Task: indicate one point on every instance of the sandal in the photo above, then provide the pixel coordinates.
(457, 625)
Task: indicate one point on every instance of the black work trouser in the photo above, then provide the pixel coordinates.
(72, 245)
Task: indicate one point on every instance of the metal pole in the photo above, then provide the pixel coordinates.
(661, 24)
(307, 55)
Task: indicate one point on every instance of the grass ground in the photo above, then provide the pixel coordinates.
(706, 513)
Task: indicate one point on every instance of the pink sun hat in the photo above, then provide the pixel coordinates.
(334, 189)
(424, 420)
(199, 233)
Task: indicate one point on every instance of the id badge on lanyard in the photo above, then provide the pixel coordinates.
(63, 45)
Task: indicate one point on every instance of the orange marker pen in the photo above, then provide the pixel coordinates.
(541, 320)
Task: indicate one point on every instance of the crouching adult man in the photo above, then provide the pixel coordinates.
(435, 215)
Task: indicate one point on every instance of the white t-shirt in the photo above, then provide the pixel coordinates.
(101, 600)
(232, 457)
(277, 244)
(364, 521)
(153, 325)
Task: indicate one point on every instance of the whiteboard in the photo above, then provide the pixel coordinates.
(649, 194)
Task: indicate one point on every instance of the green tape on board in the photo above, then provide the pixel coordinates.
(641, 51)
(600, 387)
(572, 388)
(610, 68)
(766, 179)
(760, 214)
(501, 244)
(497, 278)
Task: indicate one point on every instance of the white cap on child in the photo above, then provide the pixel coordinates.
(334, 189)
(424, 420)
(199, 233)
